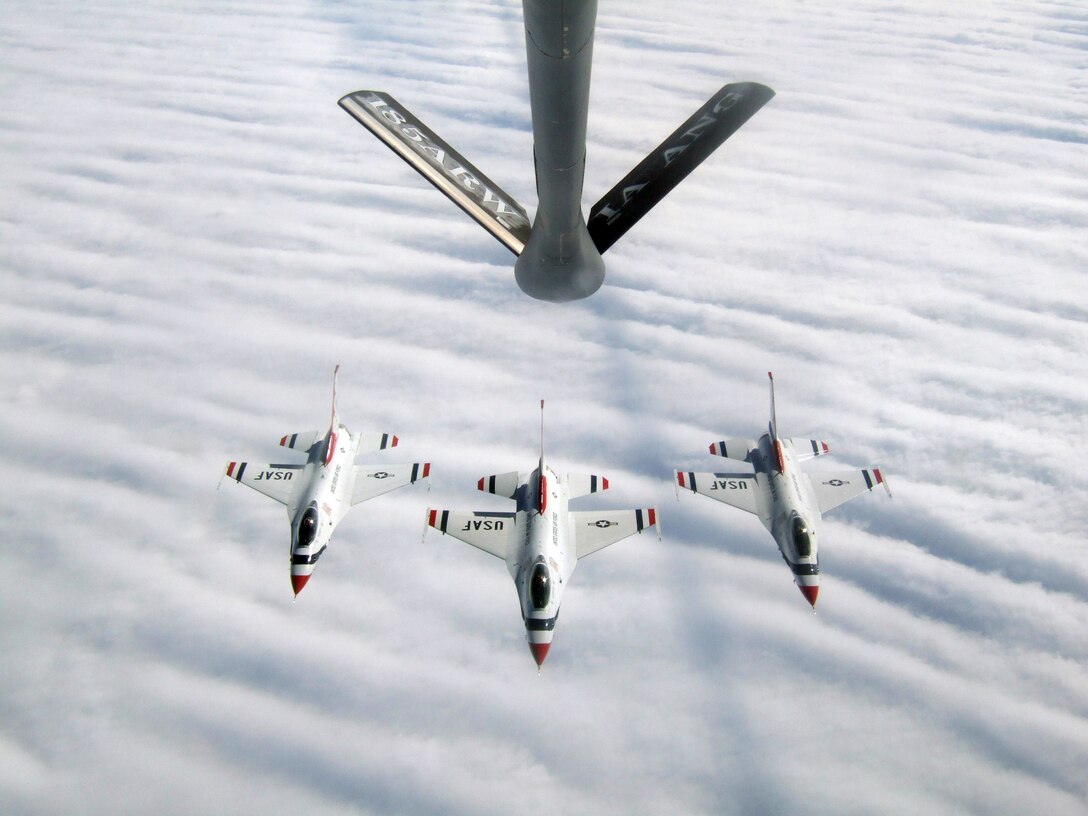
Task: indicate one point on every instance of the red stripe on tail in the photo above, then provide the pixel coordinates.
(779, 459)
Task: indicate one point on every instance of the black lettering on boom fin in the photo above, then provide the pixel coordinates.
(672, 160)
(445, 168)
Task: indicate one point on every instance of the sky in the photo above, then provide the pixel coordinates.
(192, 235)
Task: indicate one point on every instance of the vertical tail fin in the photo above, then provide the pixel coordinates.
(330, 444)
(542, 486)
(776, 443)
(335, 372)
(774, 422)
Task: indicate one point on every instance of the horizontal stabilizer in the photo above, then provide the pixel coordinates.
(674, 158)
(807, 448)
(301, 441)
(738, 449)
(502, 484)
(582, 484)
(370, 441)
(442, 166)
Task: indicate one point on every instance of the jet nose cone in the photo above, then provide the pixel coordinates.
(298, 582)
(540, 651)
(810, 593)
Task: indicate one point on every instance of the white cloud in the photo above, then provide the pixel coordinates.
(192, 234)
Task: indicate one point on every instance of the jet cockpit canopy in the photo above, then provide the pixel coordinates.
(540, 586)
(802, 537)
(307, 527)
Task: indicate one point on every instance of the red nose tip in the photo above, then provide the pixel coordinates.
(810, 593)
(298, 582)
(540, 651)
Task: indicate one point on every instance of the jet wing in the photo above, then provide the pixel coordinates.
(832, 489)
(807, 448)
(302, 441)
(494, 533)
(737, 489)
(595, 529)
(275, 481)
(369, 442)
(372, 480)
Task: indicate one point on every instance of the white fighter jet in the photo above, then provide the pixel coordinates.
(319, 493)
(542, 540)
(787, 500)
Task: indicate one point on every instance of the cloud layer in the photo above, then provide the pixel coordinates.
(192, 234)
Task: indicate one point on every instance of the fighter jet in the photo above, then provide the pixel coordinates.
(542, 540)
(559, 255)
(319, 493)
(789, 501)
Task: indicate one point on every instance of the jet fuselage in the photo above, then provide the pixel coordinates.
(788, 509)
(322, 500)
(545, 558)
